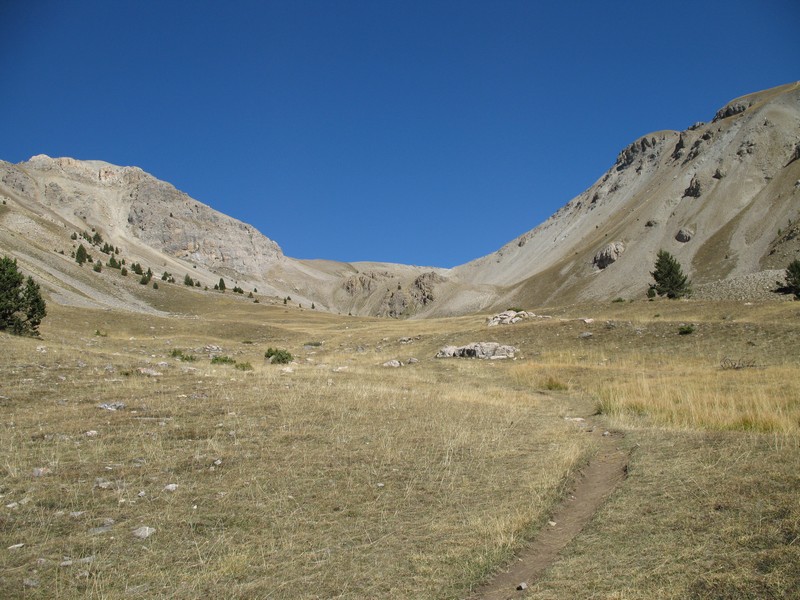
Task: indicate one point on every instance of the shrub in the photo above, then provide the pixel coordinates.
(246, 366)
(222, 360)
(124, 272)
(155, 285)
(98, 267)
(618, 299)
(278, 356)
(669, 278)
(221, 284)
(181, 355)
(22, 307)
(686, 329)
(188, 280)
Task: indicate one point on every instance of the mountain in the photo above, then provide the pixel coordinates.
(722, 196)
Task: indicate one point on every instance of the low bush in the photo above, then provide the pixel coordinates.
(278, 356)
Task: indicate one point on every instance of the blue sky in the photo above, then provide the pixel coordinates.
(426, 133)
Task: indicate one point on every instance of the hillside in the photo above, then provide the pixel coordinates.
(722, 196)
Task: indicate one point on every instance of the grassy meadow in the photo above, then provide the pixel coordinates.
(335, 477)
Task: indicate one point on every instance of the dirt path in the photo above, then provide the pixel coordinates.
(593, 485)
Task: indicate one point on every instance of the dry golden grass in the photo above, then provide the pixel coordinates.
(343, 479)
(356, 483)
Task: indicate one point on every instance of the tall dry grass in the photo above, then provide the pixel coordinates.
(674, 390)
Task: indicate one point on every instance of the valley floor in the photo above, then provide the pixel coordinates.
(138, 462)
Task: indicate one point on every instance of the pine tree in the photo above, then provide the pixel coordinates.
(22, 308)
(221, 284)
(669, 278)
(793, 278)
(81, 255)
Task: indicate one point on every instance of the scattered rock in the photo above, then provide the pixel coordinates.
(522, 586)
(412, 361)
(585, 335)
(15, 547)
(29, 582)
(339, 369)
(588, 321)
(91, 433)
(406, 340)
(112, 406)
(143, 532)
(103, 484)
(40, 471)
(393, 363)
(148, 372)
(508, 317)
(609, 254)
(485, 350)
(170, 487)
(684, 235)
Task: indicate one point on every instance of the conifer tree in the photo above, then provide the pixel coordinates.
(793, 278)
(22, 307)
(669, 278)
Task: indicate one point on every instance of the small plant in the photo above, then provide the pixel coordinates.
(223, 360)
(515, 309)
(245, 366)
(98, 267)
(619, 299)
(188, 281)
(181, 355)
(686, 329)
(99, 333)
(313, 344)
(554, 385)
(155, 285)
(278, 356)
(123, 271)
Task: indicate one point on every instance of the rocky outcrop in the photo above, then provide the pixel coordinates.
(423, 286)
(609, 254)
(731, 109)
(362, 283)
(484, 350)
(695, 188)
(507, 317)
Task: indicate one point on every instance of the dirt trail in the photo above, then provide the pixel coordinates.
(593, 485)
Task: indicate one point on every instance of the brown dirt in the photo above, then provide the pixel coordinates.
(590, 489)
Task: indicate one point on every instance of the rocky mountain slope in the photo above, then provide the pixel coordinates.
(722, 196)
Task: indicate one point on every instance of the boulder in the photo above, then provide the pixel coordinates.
(684, 235)
(508, 317)
(484, 350)
(609, 254)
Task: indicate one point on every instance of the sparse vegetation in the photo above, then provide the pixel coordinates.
(223, 360)
(686, 329)
(278, 356)
(22, 307)
(181, 355)
(188, 280)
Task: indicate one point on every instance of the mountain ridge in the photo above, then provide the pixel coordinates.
(717, 195)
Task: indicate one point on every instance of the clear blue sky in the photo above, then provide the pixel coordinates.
(424, 133)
